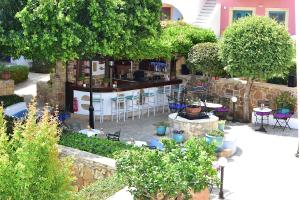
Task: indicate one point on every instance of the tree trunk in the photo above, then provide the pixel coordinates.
(246, 104)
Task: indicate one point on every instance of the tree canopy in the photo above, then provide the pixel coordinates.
(70, 29)
(204, 57)
(256, 47)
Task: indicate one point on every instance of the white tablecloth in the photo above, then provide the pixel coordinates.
(264, 110)
(90, 132)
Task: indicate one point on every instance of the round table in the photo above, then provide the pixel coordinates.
(90, 132)
(262, 110)
(211, 105)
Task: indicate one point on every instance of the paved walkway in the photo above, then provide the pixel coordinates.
(263, 168)
(28, 88)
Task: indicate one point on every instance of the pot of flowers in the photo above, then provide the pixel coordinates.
(285, 102)
(193, 107)
(161, 128)
(5, 75)
(221, 125)
(157, 175)
(178, 136)
(105, 81)
(215, 136)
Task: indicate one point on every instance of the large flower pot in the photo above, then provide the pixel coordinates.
(193, 110)
(161, 130)
(203, 195)
(179, 138)
(218, 141)
(5, 75)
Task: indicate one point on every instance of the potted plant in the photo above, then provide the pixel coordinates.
(215, 136)
(162, 175)
(80, 80)
(178, 136)
(285, 102)
(5, 75)
(221, 125)
(193, 107)
(105, 81)
(161, 128)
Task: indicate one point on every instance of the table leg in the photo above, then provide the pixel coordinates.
(261, 128)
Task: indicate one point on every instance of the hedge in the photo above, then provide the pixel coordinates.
(99, 146)
(10, 100)
(18, 73)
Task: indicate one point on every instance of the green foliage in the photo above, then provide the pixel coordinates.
(176, 39)
(168, 174)
(42, 66)
(204, 57)
(102, 189)
(256, 47)
(18, 73)
(73, 29)
(286, 100)
(216, 133)
(10, 100)
(29, 163)
(99, 146)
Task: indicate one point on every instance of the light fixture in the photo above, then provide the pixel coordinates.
(234, 100)
(223, 163)
(111, 63)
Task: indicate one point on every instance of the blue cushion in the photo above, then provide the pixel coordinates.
(21, 114)
(284, 110)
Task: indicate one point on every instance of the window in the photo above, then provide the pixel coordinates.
(279, 15)
(166, 13)
(237, 14)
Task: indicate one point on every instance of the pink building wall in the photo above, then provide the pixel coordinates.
(260, 6)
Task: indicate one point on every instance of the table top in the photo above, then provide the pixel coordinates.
(90, 132)
(211, 105)
(259, 109)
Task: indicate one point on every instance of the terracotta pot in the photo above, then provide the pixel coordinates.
(203, 195)
(5, 75)
(193, 110)
(80, 83)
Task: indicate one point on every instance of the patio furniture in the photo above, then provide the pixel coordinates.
(282, 119)
(149, 101)
(259, 115)
(162, 96)
(17, 111)
(262, 110)
(114, 136)
(118, 106)
(98, 107)
(133, 104)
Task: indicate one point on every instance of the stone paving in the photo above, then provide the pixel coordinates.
(263, 168)
(28, 88)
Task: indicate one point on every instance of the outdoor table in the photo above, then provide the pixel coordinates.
(138, 143)
(262, 110)
(211, 105)
(90, 132)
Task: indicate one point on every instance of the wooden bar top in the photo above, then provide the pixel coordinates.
(127, 85)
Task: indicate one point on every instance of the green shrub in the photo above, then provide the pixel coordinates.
(286, 100)
(99, 146)
(167, 174)
(29, 164)
(102, 189)
(10, 100)
(39, 66)
(204, 57)
(18, 73)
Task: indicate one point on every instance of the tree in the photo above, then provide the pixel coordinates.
(29, 164)
(71, 29)
(256, 47)
(204, 57)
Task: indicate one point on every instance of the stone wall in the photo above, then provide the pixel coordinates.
(259, 91)
(88, 167)
(53, 92)
(6, 87)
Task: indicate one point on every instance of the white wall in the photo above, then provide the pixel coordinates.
(188, 8)
(214, 23)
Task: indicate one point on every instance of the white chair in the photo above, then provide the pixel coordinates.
(162, 96)
(98, 107)
(149, 101)
(133, 105)
(118, 106)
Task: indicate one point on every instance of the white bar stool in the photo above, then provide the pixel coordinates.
(118, 106)
(162, 96)
(133, 104)
(149, 100)
(177, 90)
(98, 107)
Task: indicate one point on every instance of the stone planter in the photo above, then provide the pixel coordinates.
(5, 75)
